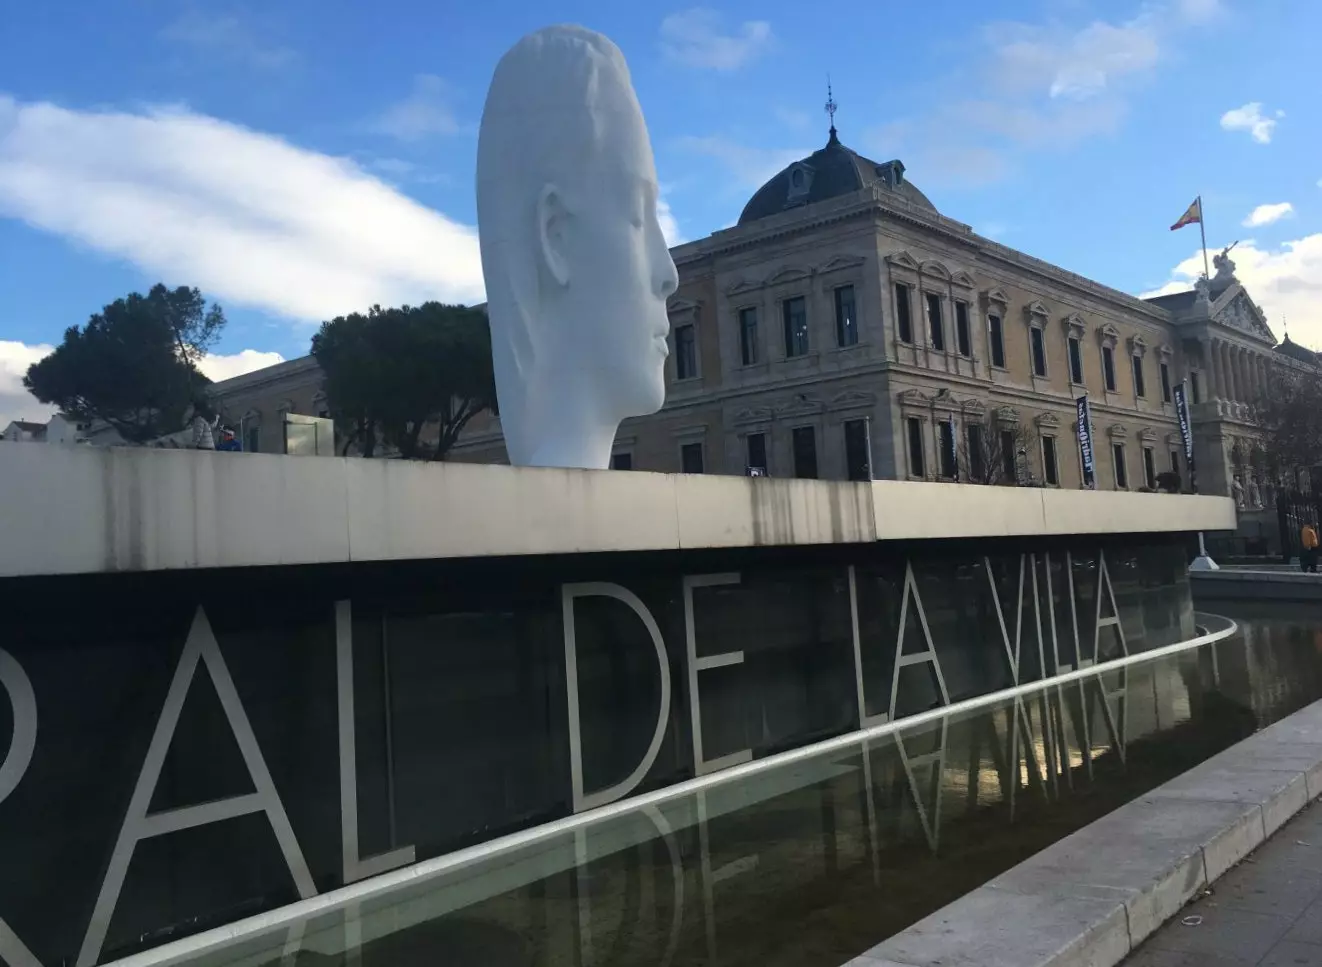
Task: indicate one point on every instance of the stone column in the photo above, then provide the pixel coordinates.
(1211, 379)
(1233, 374)
(1222, 374)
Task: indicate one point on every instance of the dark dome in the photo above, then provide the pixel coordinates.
(1296, 351)
(833, 171)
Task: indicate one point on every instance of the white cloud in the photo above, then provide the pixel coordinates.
(424, 113)
(1250, 118)
(16, 403)
(247, 217)
(696, 38)
(1285, 281)
(751, 167)
(1200, 11)
(1076, 64)
(218, 367)
(1266, 214)
(669, 224)
(228, 37)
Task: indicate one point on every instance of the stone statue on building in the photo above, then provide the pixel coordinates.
(1255, 494)
(1237, 489)
(1225, 267)
(577, 268)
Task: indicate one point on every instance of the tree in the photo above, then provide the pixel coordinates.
(134, 365)
(393, 372)
(992, 455)
(1289, 418)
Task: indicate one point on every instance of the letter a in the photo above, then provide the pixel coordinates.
(139, 825)
(14, 682)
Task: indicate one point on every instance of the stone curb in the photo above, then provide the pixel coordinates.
(1091, 898)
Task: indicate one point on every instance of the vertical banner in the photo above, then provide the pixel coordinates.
(954, 447)
(1084, 425)
(1186, 430)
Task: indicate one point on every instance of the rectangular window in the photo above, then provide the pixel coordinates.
(934, 326)
(996, 333)
(977, 459)
(686, 352)
(690, 458)
(1194, 391)
(1121, 471)
(916, 466)
(621, 461)
(1009, 457)
(756, 445)
(795, 314)
(1165, 383)
(963, 337)
(1108, 368)
(252, 438)
(748, 335)
(805, 453)
(946, 459)
(846, 323)
(1140, 386)
(1175, 461)
(1050, 470)
(857, 463)
(903, 316)
(1076, 361)
(1149, 468)
(1039, 343)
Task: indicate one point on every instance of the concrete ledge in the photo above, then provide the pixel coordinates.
(77, 510)
(1275, 585)
(1096, 895)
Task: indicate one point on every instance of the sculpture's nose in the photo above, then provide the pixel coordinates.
(665, 277)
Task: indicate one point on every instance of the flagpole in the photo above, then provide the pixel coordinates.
(1202, 230)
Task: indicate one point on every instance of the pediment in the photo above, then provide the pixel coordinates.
(742, 285)
(904, 260)
(996, 296)
(791, 273)
(843, 262)
(1035, 308)
(1147, 435)
(1047, 420)
(1074, 324)
(755, 414)
(914, 397)
(1007, 414)
(800, 404)
(851, 399)
(1236, 310)
(934, 268)
(1117, 431)
(677, 306)
(964, 280)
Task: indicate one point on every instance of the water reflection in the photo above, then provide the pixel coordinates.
(816, 861)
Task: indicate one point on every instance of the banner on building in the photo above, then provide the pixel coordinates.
(1186, 429)
(1084, 424)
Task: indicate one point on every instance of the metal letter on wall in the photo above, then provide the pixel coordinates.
(864, 719)
(354, 867)
(702, 766)
(928, 655)
(23, 701)
(139, 824)
(570, 592)
(1104, 581)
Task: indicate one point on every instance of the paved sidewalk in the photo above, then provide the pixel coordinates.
(1266, 912)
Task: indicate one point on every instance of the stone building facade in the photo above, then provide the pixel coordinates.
(845, 327)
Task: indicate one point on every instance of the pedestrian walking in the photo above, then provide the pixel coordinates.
(1308, 549)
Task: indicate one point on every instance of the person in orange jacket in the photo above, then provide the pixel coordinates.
(1308, 554)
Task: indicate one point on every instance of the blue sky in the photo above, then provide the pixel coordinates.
(298, 159)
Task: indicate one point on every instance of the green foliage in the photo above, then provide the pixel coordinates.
(134, 364)
(1289, 417)
(392, 372)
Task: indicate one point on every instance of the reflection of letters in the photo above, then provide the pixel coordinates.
(23, 702)
(139, 824)
(703, 766)
(354, 867)
(569, 592)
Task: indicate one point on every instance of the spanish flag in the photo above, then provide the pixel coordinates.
(1192, 215)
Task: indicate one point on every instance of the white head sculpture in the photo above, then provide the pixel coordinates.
(577, 269)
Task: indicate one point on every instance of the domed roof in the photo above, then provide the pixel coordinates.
(828, 173)
(1296, 351)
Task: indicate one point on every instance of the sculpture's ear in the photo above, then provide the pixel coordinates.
(552, 225)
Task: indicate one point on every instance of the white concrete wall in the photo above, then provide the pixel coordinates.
(78, 510)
